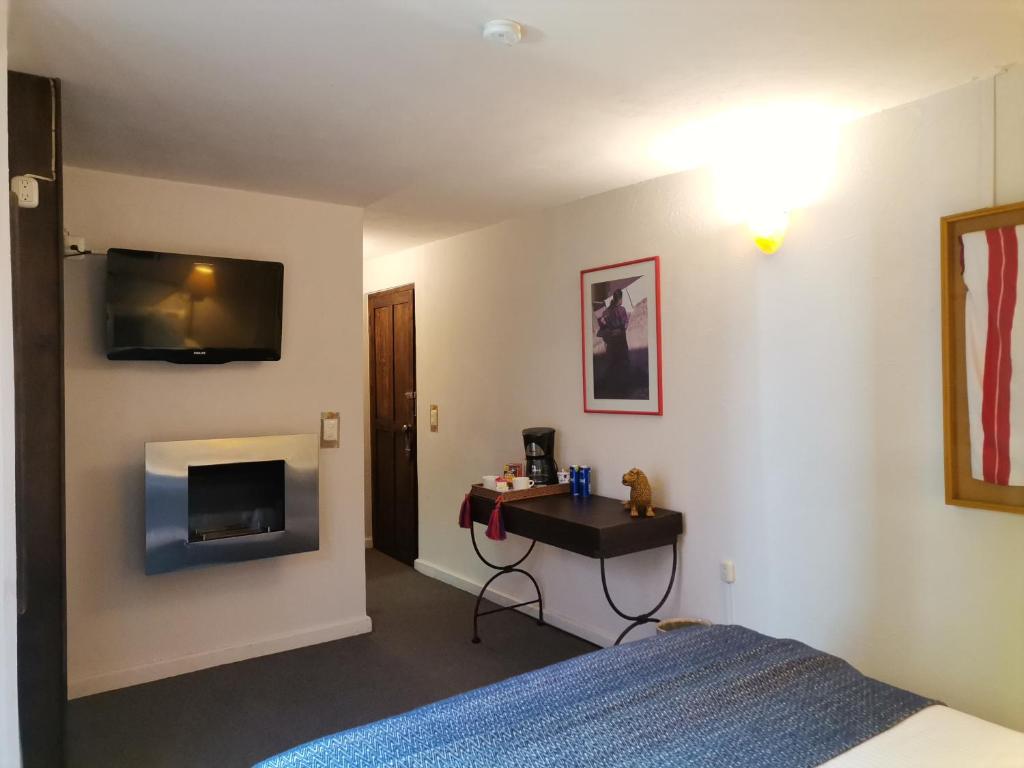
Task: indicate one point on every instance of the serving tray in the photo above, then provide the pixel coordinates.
(529, 493)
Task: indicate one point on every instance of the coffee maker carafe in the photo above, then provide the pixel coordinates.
(539, 443)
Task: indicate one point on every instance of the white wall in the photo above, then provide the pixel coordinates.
(497, 315)
(125, 627)
(1009, 114)
(864, 557)
(9, 741)
(802, 433)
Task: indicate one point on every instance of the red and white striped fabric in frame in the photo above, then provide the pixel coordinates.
(993, 268)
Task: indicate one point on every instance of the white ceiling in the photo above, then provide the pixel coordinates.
(401, 107)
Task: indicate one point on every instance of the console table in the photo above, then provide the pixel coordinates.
(596, 526)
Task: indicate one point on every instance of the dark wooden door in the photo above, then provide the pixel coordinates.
(393, 423)
(37, 264)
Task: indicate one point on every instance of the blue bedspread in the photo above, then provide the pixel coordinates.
(709, 696)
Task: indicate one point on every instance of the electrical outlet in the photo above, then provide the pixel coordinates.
(727, 571)
(26, 189)
(73, 244)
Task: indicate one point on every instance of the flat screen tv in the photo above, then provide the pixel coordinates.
(192, 309)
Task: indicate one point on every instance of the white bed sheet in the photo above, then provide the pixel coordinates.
(938, 737)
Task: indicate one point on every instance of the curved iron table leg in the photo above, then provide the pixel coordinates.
(647, 617)
(501, 571)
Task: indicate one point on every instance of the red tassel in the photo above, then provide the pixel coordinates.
(465, 513)
(496, 525)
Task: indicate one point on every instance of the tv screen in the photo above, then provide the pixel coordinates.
(192, 309)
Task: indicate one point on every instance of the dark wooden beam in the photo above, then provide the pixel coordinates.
(33, 109)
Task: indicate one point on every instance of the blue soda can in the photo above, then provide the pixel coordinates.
(584, 481)
(574, 479)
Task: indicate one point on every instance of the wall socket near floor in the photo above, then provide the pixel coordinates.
(727, 571)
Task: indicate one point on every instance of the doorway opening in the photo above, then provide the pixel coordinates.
(393, 476)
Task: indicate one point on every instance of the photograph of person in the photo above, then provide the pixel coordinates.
(622, 332)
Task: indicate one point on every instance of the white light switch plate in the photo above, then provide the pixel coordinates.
(330, 429)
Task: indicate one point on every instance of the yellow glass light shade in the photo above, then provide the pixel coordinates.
(769, 244)
(201, 281)
(769, 230)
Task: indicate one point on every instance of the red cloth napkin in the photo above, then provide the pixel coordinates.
(465, 513)
(496, 525)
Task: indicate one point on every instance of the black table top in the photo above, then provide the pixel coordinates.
(596, 526)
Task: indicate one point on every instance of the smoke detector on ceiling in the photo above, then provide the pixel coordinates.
(503, 31)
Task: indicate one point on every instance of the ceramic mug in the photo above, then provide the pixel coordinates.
(522, 483)
(491, 482)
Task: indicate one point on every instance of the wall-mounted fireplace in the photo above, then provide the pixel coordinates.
(239, 499)
(218, 501)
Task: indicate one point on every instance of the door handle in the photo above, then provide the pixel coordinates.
(407, 434)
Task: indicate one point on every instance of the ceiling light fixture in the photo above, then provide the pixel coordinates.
(503, 31)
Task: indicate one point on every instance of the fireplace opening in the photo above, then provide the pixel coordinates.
(237, 499)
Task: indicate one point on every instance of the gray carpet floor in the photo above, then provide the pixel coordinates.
(233, 715)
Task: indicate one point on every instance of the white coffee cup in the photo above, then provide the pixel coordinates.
(522, 483)
(491, 482)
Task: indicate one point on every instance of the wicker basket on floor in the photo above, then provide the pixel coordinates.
(671, 625)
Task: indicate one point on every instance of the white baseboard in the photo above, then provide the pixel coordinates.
(122, 678)
(369, 542)
(579, 629)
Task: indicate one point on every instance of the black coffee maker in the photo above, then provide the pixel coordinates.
(540, 455)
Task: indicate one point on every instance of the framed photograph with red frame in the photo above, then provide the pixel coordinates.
(620, 309)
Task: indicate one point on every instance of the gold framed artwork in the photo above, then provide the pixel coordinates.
(983, 357)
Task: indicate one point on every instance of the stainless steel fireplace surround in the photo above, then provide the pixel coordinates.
(220, 501)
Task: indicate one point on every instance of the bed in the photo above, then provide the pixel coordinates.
(704, 696)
